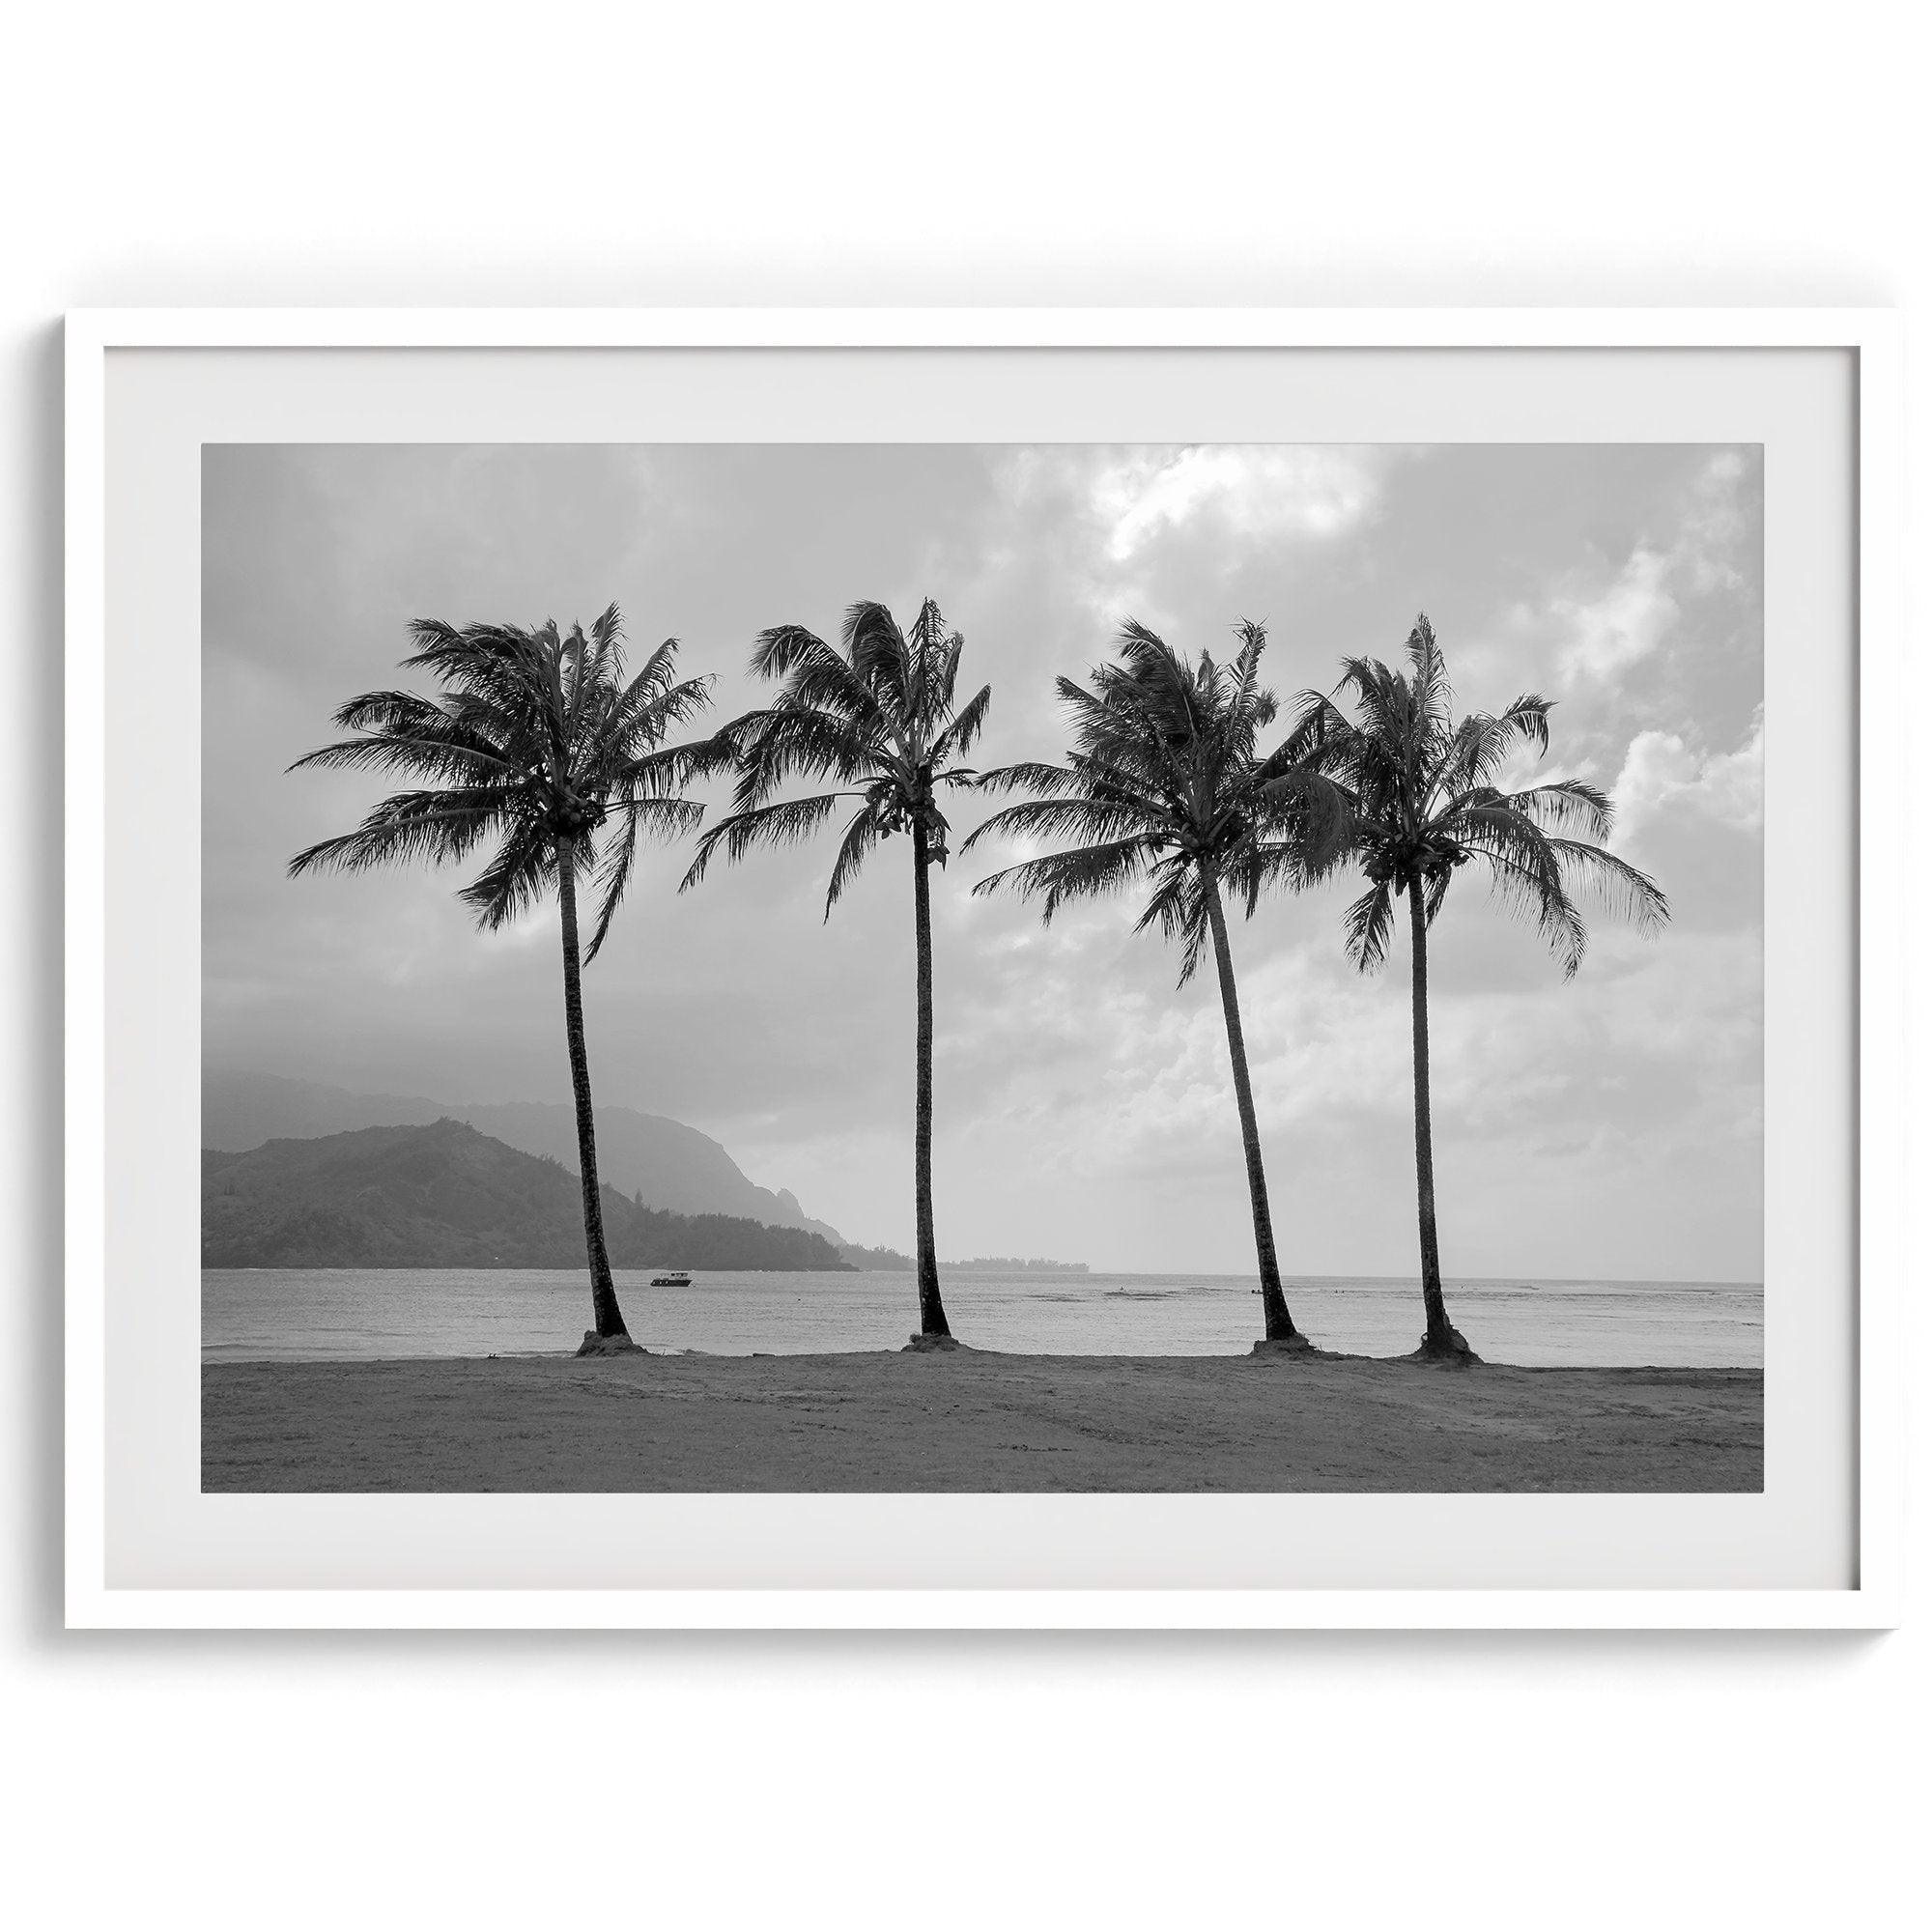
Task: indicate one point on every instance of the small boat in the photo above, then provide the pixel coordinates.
(677, 1278)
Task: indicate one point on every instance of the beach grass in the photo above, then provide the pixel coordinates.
(973, 1422)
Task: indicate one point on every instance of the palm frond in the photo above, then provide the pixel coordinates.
(1304, 811)
(957, 740)
(798, 741)
(1085, 817)
(1318, 732)
(633, 819)
(862, 833)
(514, 878)
(1046, 780)
(419, 757)
(779, 650)
(876, 648)
(1165, 776)
(874, 715)
(1367, 925)
(1268, 865)
(1085, 872)
(1566, 805)
(666, 769)
(1429, 682)
(933, 662)
(1422, 796)
(1528, 893)
(1178, 906)
(1478, 747)
(437, 825)
(631, 704)
(1615, 884)
(536, 739)
(786, 823)
(814, 674)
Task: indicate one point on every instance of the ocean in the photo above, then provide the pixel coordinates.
(365, 1314)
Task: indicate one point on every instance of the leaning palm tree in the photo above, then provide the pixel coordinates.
(1421, 788)
(1166, 784)
(877, 718)
(539, 745)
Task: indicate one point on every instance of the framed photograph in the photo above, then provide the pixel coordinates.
(983, 969)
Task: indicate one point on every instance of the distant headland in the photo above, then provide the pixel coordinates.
(889, 1260)
(443, 1196)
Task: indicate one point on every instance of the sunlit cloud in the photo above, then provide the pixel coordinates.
(1606, 620)
(1665, 770)
(1249, 494)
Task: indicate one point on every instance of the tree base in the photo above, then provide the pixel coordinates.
(931, 1345)
(1449, 1350)
(595, 1344)
(1296, 1344)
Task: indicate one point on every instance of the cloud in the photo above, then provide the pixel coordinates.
(1715, 525)
(1608, 634)
(1605, 629)
(1141, 529)
(1666, 769)
(1296, 493)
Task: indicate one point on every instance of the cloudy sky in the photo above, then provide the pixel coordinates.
(1611, 1126)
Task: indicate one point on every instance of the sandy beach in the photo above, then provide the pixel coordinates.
(972, 1422)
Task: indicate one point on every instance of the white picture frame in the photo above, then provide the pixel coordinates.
(1872, 1593)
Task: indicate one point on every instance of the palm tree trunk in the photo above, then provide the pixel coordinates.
(610, 1317)
(931, 1310)
(1280, 1325)
(1440, 1338)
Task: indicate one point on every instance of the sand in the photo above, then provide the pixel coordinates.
(972, 1422)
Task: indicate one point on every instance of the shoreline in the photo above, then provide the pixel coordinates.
(972, 1422)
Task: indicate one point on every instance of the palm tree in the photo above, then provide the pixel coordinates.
(1166, 784)
(539, 745)
(878, 719)
(1421, 788)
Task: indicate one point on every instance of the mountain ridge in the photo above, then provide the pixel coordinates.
(672, 1166)
(446, 1194)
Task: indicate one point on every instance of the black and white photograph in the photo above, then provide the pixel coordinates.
(982, 968)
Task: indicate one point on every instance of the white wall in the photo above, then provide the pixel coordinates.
(400, 153)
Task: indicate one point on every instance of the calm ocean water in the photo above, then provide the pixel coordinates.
(364, 1313)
